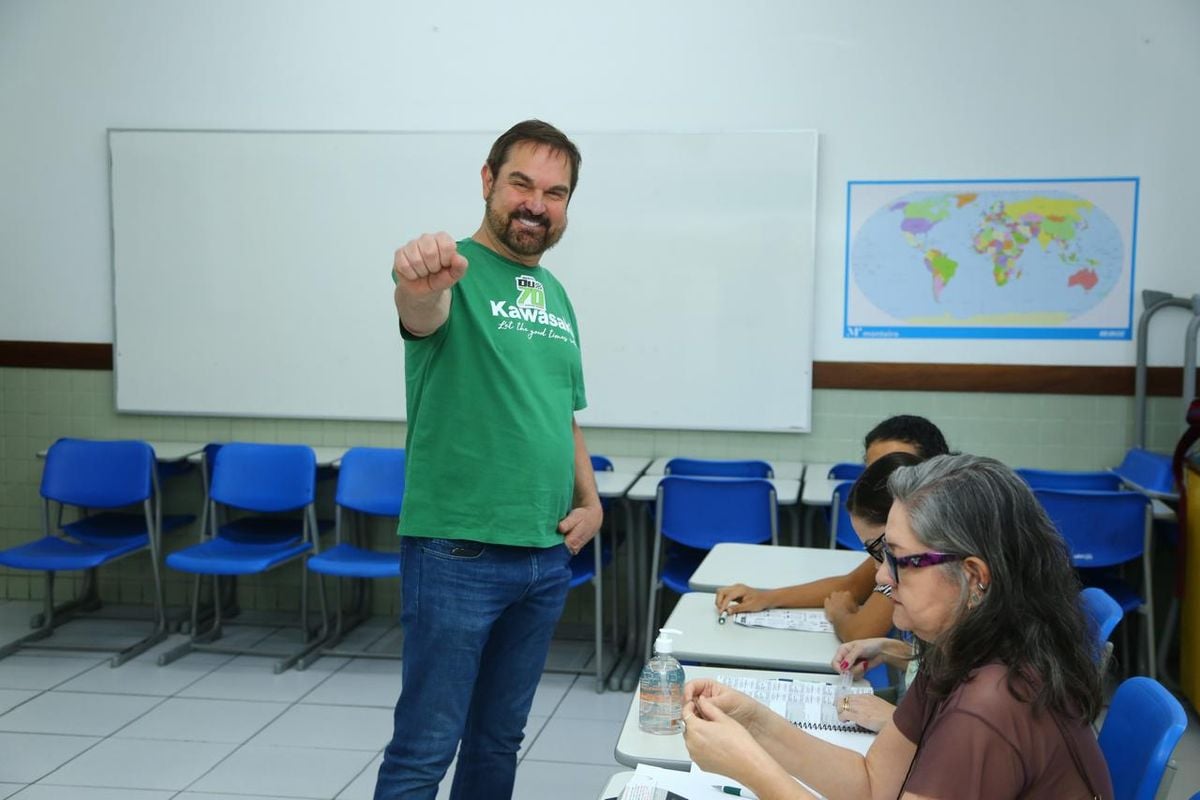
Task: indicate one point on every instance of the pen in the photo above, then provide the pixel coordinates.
(725, 614)
(736, 791)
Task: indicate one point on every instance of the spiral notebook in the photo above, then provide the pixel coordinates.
(805, 704)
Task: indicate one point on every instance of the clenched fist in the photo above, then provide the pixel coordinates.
(428, 264)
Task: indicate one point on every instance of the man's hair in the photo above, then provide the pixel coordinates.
(1029, 616)
(917, 431)
(869, 498)
(537, 132)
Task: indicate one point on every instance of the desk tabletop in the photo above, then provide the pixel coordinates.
(767, 566)
(634, 746)
(789, 470)
(614, 484)
(164, 452)
(787, 492)
(818, 490)
(634, 464)
(327, 455)
(703, 639)
(1154, 494)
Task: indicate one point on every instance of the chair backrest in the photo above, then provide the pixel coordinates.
(371, 480)
(1143, 725)
(714, 468)
(601, 464)
(93, 474)
(1089, 481)
(846, 471)
(1147, 470)
(702, 512)
(1103, 611)
(1101, 528)
(209, 457)
(842, 530)
(264, 477)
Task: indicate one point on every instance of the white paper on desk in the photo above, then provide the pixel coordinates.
(656, 783)
(789, 619)
(716, 779)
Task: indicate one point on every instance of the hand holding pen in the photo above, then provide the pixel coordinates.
(725, 613)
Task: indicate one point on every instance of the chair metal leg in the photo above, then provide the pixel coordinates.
(598, 581)
(197, 637)
(642, 544)
(652, 601)
(629, 651)
(1170, 630)
(312, 642)
(159, 635)
(41, 631)
(51, 616)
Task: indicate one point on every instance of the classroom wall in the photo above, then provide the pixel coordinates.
(37, 406)
(919, 89)
(897, 90)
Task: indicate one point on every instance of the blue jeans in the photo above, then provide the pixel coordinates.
(477, 620)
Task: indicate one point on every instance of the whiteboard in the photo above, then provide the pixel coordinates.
(251, 271)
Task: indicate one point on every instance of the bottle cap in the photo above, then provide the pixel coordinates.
(664, 643)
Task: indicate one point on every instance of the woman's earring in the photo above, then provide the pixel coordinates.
(982, 588)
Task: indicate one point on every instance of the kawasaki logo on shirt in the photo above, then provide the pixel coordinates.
(530, 307)
(532, 295)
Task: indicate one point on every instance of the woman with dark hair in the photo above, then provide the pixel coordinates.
(856, 606)
(1007, 685)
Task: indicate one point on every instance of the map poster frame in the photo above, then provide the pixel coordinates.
(1064, 237)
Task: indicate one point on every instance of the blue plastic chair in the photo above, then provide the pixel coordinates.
(842, 471)
(1147, 471)
(370, 484)
(692, 515)
(1105, 530)
(1104, 613)
(841, 530)
(1070, 480)
(846, 471)
(99, 479)
(715, 468)
(1143, 725)
(278, 480)
(1150, 473)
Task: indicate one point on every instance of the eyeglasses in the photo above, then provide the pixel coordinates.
(894, 562)
(874, 548)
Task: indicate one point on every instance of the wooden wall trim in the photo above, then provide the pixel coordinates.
(872, 376)
(56, 355)
(1023, 378)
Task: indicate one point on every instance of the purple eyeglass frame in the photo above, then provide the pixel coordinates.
(916, 561)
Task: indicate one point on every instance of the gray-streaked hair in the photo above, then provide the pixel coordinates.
(1030, 617)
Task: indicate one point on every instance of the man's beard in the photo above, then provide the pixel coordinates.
(522, 240)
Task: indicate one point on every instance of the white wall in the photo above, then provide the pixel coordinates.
(897, 90)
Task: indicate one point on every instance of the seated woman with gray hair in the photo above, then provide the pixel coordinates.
(1007, 686)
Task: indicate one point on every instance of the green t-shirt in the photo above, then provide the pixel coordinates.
(491, 397)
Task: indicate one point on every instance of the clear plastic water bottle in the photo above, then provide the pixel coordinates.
(660, 708)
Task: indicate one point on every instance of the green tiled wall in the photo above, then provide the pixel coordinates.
(37, 406)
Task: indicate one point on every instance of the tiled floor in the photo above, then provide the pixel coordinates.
(211, 727)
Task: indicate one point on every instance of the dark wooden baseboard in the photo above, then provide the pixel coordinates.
(1024, 378)
(56, 355)
(872, 376)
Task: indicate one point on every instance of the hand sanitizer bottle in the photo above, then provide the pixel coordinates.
(660, 709)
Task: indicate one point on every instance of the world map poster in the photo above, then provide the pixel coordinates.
(999, 259)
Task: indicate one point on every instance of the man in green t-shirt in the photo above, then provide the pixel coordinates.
(499, 490)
